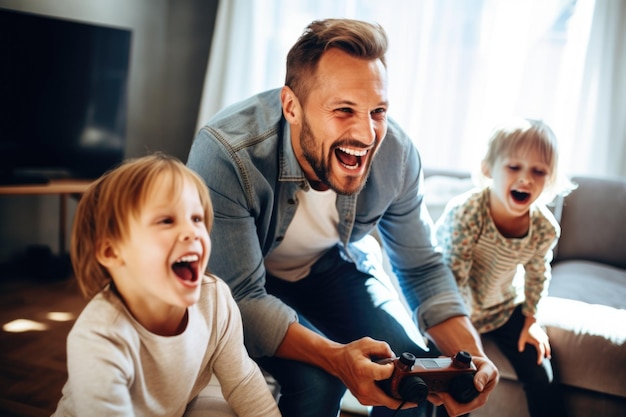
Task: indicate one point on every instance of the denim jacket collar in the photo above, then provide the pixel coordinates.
(290, 170)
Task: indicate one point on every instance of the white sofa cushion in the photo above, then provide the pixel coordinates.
(585, 316)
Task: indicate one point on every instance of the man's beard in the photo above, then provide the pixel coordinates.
(321, 167)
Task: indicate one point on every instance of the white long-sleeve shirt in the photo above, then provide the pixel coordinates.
(118, 368)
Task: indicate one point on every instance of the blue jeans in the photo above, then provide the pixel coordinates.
(343, 304)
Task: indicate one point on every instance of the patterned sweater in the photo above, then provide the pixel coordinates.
(495, 273)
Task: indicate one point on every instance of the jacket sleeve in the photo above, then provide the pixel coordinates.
(407, 232)
(236, 254)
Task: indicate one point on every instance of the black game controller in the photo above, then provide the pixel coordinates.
(414, 378)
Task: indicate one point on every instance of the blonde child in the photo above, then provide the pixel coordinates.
(156, 327)
(489, 234)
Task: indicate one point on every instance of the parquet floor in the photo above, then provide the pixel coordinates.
(35, 317)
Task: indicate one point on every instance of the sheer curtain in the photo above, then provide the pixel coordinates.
(456, 68)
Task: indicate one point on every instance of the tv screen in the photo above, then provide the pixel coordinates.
(63, 97)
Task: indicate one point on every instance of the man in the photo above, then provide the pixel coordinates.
(299, 178)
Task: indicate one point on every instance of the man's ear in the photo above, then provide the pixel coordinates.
(291, 106)
(484, 168)
(108, 255)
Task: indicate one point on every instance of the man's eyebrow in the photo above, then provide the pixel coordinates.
(343, 102)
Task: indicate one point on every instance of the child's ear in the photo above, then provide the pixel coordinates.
(108, 255)
(485, 169)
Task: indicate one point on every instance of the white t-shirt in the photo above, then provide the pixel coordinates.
(312, 232)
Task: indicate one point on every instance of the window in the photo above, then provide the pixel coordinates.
(459, 67)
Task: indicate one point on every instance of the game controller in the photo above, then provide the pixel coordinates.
(414, 378)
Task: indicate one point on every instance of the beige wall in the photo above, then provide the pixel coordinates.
(169, 53)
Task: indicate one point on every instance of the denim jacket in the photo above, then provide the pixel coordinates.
(245, 156)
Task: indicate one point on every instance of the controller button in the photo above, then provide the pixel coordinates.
(463, 357)
(407, 359)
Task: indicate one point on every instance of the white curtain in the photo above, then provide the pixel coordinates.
(592, 108)
(457, 68)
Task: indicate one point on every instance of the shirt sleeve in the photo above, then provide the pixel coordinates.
(236, 255)
(406, 229)
(100, 374)
(241, 380)
(538, 269)
(457, 231)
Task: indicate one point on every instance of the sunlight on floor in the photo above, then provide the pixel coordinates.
(24, 325)
(60, 316)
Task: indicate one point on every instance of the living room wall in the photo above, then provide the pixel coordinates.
(170, 48)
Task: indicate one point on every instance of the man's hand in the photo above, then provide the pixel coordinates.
(351, 363)
(485, 381)
(359, 373)
(451, 336)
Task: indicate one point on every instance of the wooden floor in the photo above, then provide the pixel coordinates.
(35, 317)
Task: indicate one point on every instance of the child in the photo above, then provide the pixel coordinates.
(487, 233)
(156, 328)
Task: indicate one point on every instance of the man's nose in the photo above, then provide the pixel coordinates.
(363, 129)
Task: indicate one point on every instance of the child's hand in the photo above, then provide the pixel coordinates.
(533, 334)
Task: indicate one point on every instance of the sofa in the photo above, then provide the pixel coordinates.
(584, 312)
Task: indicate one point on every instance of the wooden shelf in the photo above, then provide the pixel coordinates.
(57, 186)
(62, 187)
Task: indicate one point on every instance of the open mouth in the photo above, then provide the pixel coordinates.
(186, 267)
(520, 196)
(350, 158)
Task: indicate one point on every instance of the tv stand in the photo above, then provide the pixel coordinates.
(62, 187)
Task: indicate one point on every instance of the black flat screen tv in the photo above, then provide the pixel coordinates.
(63, 97)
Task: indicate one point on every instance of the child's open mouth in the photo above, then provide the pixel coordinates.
(186, 267)
(520, 196)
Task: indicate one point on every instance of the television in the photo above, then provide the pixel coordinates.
(63, 97)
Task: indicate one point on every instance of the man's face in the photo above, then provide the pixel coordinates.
(336, 134)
